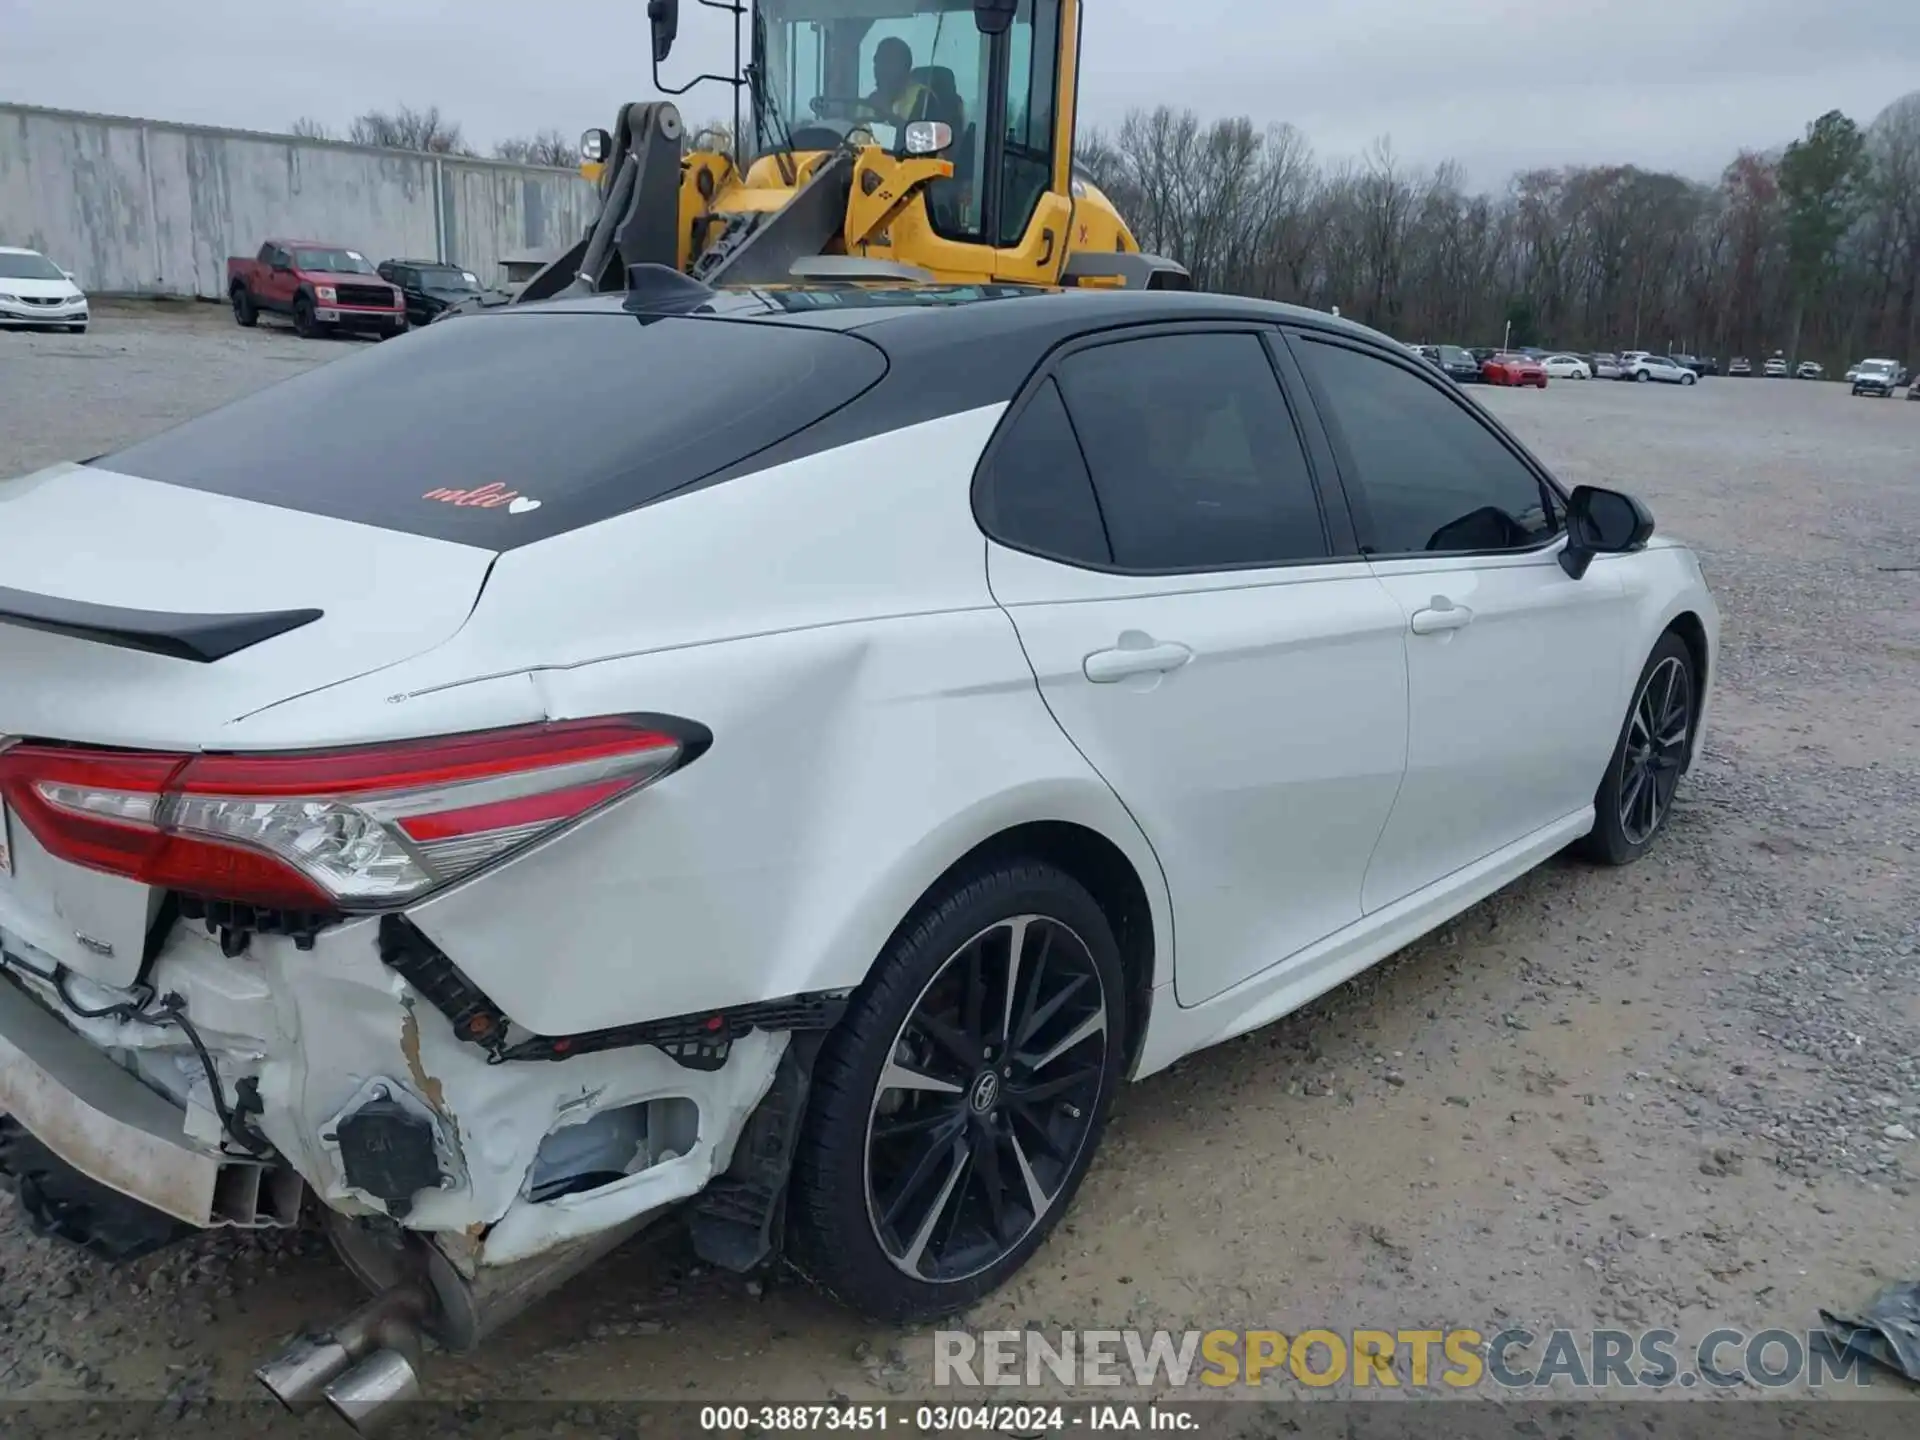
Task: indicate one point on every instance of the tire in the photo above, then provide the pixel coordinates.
(245, 314)
(60, 1203)
(1641, 376)
(303, 321)
(1615, 840)
(1688, 378)
(910, 1012)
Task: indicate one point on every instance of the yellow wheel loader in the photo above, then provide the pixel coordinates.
(883, 139)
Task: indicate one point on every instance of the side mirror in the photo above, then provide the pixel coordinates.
(1602, 522)
(664, 18)
(994, 17)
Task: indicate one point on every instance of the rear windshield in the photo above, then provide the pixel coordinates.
(500, 429)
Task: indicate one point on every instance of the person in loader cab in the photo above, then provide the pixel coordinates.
(896, 94)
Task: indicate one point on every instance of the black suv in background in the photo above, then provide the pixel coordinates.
(1699, 364)
(1456, 364)
(429, 286)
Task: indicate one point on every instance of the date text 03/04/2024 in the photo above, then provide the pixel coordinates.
(964, 1419)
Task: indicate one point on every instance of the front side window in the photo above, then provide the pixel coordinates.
(1193, 452)
(1430, 477)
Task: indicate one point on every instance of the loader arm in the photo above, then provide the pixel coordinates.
(639, 218)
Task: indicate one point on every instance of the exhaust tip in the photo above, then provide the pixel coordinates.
(299, 1375)
(371, 1394)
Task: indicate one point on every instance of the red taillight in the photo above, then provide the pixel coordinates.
(353, 829)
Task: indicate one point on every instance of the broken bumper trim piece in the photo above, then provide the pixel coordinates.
(696, 1042)
(99, 1118)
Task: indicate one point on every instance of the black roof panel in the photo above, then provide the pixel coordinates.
(965, 311)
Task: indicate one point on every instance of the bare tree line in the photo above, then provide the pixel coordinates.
(428, 130)
(1814, 251)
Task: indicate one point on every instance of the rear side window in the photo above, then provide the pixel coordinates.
(500, 430)
(1194, 454)
(1037, 494)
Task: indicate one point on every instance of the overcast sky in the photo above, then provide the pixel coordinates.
(1496, 84)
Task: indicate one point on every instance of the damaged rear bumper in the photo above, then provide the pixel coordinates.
(103, 1122)
(367, 1094)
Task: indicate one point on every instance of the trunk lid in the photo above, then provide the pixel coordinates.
(144, 615)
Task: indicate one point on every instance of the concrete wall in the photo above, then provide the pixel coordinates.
(143, 207)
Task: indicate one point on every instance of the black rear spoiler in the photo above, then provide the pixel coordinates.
(202, 638)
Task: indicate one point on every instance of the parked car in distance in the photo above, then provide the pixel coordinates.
(948, 969)
(1606, 366)
(1701, 365)
(1811, 370)
(1853, 371)
(1739, 366)
(1776, 368)
(1566, 367)
(1663, 368)
(1876, 377)
(36, 292)
(1453, 362)
(1483, 353)
(1512, 368)
(429, 286)
(320, 287)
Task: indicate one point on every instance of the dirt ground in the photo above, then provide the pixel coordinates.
(1682, 1094)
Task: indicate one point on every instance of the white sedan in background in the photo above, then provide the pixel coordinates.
(35, 291)
(1658, 367)
(1567, 367)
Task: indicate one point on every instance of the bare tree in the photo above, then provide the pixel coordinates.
(308, 128)
(410, 129)
(545, 147)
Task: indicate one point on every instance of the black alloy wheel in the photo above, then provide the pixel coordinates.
(1635, 797)
(958, 1106)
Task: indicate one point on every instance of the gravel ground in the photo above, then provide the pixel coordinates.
(1682, 1094)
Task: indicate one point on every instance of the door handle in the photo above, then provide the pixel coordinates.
(1136, 654)
(1440, 615)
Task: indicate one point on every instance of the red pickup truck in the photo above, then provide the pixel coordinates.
(322, 287)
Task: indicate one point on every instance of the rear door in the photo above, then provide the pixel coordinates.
(1190, 598)
(1513, 667)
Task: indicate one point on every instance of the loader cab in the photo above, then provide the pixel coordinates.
(1003, 95)
(997, 78)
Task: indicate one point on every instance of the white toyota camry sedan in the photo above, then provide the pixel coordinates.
(784, 755)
